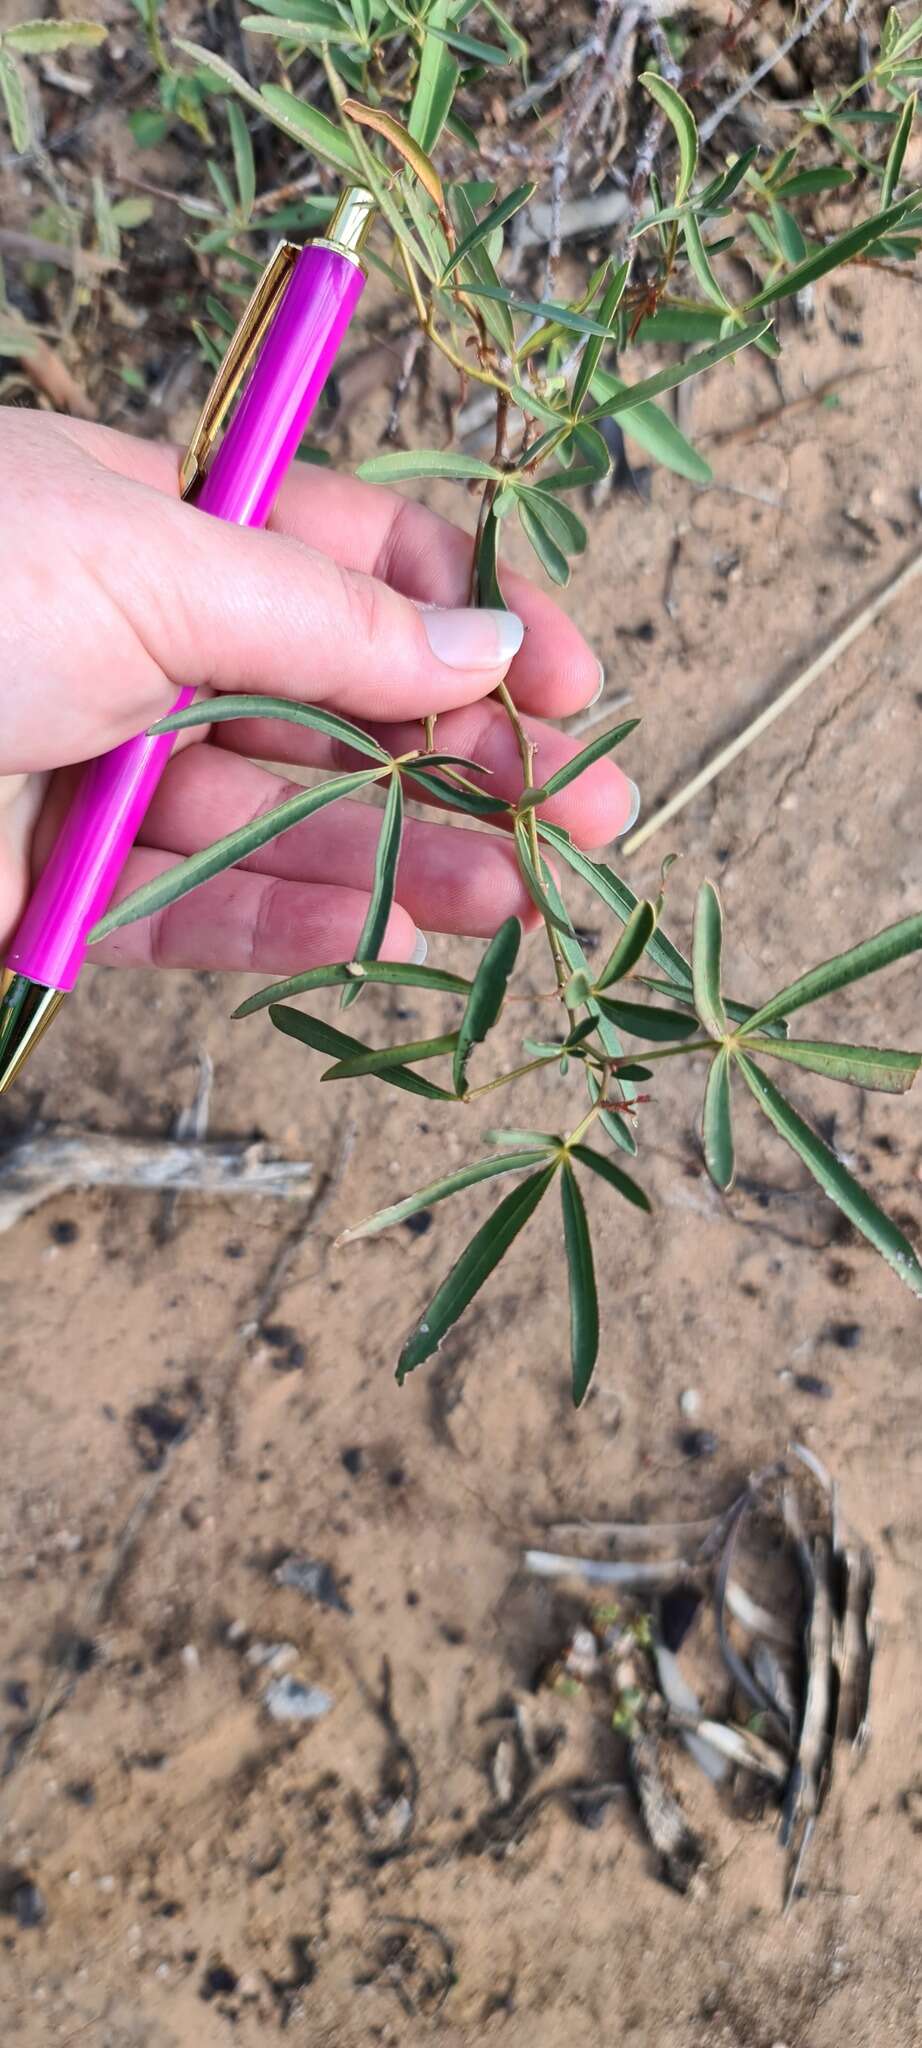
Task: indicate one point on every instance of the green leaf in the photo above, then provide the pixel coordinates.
(313, 130)
(453, 796)
(551, 557)
(132, 213)
(148, 127)
(830, 258)
(619, 898)
(35, 38)
(441, 1190)
(283, 27)
(12, 86)
(867, 958)
(390, 973)
(681, 323)
(383, 1059)
(557, 316)
(471, 46)
(655, 432)
(559, 522)
(706, 951)
(648, 1020)
(608, 309)
(487, 995)
(701, 268)
(536, 881)
(478, 267)
(718, 1128)
(516, 44)
(865, 1066)
(584, 1302)
(325, 1038)
(467, 1276)
(220, 711)
(525, 1141)
(632, 943)
(834, 1178)
(802, 182)
(721, 188)
(615, 1175)
(897, 151)
(235, 846)
(436, 84)
(790, 240)
(683, 121)
(383, 886)
(244, 166)
(604, 744)
(502, 211)
(678, 373)
(218, 67)
(399, 466)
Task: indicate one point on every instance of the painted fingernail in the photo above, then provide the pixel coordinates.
(600, 685)
(473, 639)
(634, 812)
(420, 952)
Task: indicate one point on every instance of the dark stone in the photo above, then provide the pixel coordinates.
(64, 1232)
(82, 1792)
(450, 1633)
(411, 1599)
(234, 1249)
(810, 1383)
(353, 1459)
(678, 1609)
(155, 1425)
(21, 1898)
(282, 1338)
(847, 1335)
(697, 1443)
(16, 1694)
(396, 1476)
(218, 1980)
(419, 1224)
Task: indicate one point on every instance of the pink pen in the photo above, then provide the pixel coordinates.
(287, 340)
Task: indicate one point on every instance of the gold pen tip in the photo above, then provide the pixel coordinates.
(351, 219)
(26, 1010)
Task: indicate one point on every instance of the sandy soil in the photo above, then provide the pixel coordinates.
(173, 1830)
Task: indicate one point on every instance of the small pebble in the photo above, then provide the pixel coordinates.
(217, 1979)
(28, 1904)
(810, 1383)
(847, 1335)
(697, 1443)
(248, 1986)
(106, 1883)
(236, 1630)
(287, 1699)
(689, 1402)
(64, 1232)
(189, 1657)
(314, 1578)
(272, 1656)
(352, 1459)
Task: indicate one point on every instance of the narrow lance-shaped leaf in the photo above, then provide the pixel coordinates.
(441, 1190)
(436, 83)
(477, 1262)
(282, 26)
(701, 267)
(387, 973)
(651, 427)
(584, 1302)
(683, 121)
(648, 1020)
(864, 1066)
(394, 132)
(615, 1175)
(535, 881)
(550, 554)
(42, 37)
(897, 151)
(471, 46)
(706, 953)
(487, 994)
(312, 129)
(384, 883)
(679, 373)
(605, 744)
(894, 943)
(244, 166)
(557, 316)
(221, 710)
(830, 258)
(632, 944)
(498, 214)
(400, 466)
(381, 1059)
(717, 1125)
(323, 1037)
(619, 898)
(14, 99)
(589, 361)
(834, 1178)
(188, 874)
(208, 60)
(559, 521)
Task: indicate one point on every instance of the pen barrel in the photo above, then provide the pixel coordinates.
(241, 486)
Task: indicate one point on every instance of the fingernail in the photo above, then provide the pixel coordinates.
(473, 639)
(420, 952)
(634, 812)
(600, 685)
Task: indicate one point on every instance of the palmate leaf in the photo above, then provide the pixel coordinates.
(377, 1060)
(584, 1301)
(323, 1037)
(441, 1190)
(389, 973)
(486, 997)
(706, 958)
(221, 710)
(178, 880)
(894, 943)
(477, 1262)
(597, 748)
(717, 1126)
(864, 1066)
(383, 886)
(834, 1178)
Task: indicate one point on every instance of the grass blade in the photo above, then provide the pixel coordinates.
(865, 1066)
(633, 942)
(225, 853)
(322, 1037)
(467, 1276)
(717, 1126)
(381, 1059)
(599, 1163)
(706, 952)
(584, 1301)
(387, 857)
(867, 958)
(487, 994)
(392, 973)
(441, 1190)
(220, 710)
(605, 744)
(834, 1178)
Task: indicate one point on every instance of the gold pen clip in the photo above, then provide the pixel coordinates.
(245, 342)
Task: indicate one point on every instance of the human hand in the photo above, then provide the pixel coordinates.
(116, 596)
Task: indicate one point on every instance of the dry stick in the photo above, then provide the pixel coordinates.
(842, 640)
(729, 105)
(67, 257)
